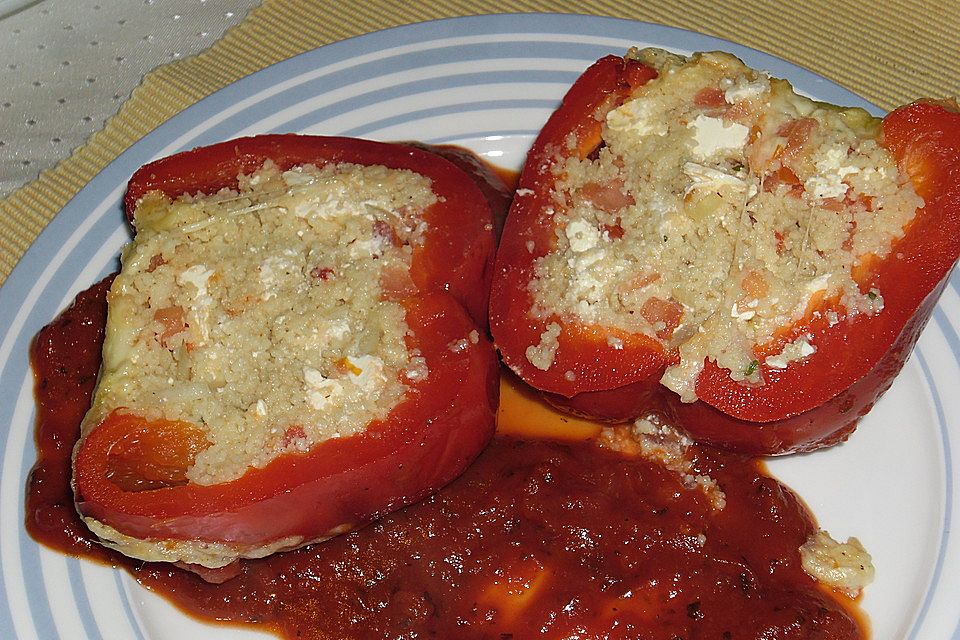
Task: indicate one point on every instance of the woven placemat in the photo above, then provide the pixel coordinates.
(887, 52)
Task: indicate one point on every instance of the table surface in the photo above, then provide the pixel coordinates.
(83, 81)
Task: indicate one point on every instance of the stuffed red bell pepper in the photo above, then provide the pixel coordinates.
(692, 238)
(295, 345)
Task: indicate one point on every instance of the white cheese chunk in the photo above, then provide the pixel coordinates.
(198, 275)
(796, 350)
(643, 116)
(321, 391)
(582, 235)
(740, 314)
(270, 272)
(713, 135)
(828, 183)
(370, 377)
(743, 89)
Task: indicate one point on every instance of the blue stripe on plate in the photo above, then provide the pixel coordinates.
(80, 596)
(127, 607)
(45, 309)
(948, 490)
(953, 340)
(433, 112)
(472, 86)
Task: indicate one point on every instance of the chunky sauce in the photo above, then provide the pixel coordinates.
(540, 538)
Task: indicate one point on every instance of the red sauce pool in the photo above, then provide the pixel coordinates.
(539, 538)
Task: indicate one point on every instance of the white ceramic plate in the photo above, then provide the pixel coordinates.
(487, 83)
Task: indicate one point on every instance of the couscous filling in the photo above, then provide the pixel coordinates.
(268, 316)
(719, 209)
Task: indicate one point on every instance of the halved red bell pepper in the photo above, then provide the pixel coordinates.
(811, 403)
(129, 474)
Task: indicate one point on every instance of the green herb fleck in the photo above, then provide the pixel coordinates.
(752, 368)
(872, 295)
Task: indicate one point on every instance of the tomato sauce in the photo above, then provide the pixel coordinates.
(539, 538)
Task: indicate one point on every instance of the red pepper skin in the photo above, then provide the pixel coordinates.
(811, 403)
(443, 422)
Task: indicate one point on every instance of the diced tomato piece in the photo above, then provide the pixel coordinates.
(784, 176)
(608, 197)
(293, 434)
(322, 273)
(668, 312)
(754, 284)
(797, 132)
(174, 321)
(711, 97)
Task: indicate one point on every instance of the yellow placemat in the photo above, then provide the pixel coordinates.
(887, 52)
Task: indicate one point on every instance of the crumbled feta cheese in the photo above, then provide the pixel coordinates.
(373, 246)
(371, 375)
(796, 350)
(713, 135)
(311, 207)
(831, 172)
(823, 187)
(736, 313)
(458, 346)
(581, 235)
(199, 312)
(197, 275)
(581, 262)
(820, 283)
(417, 371)
(744, 89)
(337, 329)
(321, 390)
(642, 116)
(270, 272)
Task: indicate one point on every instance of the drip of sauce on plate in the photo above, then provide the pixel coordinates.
(539, 538)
